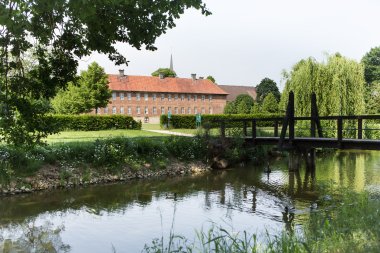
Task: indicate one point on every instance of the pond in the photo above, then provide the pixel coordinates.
(124, 217)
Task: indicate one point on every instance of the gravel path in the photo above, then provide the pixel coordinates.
(169, 132)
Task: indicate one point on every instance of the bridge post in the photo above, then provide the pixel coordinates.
(245, 128)
(291, 117)
(294, 160)
(340, 129)
(360, 128)
(276, 128)
(310, 159)
(223, 129)
(254, 133)
(313, 114)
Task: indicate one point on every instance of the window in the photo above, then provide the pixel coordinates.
(203, 110)
(189, 110)
(122, 110)
(154, 97)
(154, 110)
(210, 110)
(182, 110)
(138, 96)
(113, 109)
(162, 110)
(146, 96)
(169, 97)
(138, 110)
(129, 96)
(121, 95)
(176, 110)
(209, 97)
(129, 110)
(113, 95)
(203, 98)
(146, 111)
(195, 97)
(176, 97)
(182, 97)
(188, 97)
(169, 109)
(105, 110)
(195, 110)
(162, 96)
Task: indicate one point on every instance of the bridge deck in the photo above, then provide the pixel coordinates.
(308, 142)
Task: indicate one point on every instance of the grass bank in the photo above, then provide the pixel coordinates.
(342, 221)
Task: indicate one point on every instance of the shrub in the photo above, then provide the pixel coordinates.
(94, 122)
(188, 121)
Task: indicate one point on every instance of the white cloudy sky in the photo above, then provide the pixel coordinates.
(245, 41)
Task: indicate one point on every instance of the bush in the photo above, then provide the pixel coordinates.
(188, 121)
(94, 122)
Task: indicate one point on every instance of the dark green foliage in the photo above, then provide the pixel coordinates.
(270, 104)
(188, 121)
(371, 62)
(265, 87)
(165, 71)
(241, 105)
(211, 78)
(90, 92)
(230, 108)
(94, 122)
(42, 41)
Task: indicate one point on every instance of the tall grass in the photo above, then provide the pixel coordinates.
(344, 222)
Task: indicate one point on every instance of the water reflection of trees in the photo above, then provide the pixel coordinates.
(32, 238)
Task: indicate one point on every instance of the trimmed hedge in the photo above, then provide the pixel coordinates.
(188, 121)
(94, 122)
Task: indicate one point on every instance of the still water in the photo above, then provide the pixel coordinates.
(125, 216)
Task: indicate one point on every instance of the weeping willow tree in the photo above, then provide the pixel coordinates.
(338, 84)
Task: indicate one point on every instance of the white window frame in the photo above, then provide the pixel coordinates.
(121, 109)
(195, 98)
(169, 97)
(162, 96)
(154, 96)
(154, 110)
(113, 109)
(209, 97)
(114, 95)
(105, 110)
(146, 96)
(138, 97)
(182, 110)
(203, 98)
(129, 110)
(189, 110)
(138, 110)
(162, 110)
(129, 96)
(121, 94)
(146, 110)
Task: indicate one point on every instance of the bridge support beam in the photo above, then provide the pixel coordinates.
(310, 159)
(294, 160)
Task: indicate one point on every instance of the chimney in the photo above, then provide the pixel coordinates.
(162, 76)
(194, 77)
(201, 77)
(121, 72)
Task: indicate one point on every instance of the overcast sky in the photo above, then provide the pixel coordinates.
(244, 41)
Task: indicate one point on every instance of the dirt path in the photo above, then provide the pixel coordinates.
(169, 132)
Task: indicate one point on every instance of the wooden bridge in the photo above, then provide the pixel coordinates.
(286, 139)
(305, 146)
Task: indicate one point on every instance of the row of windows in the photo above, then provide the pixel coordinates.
(163, 96)
(177, 110)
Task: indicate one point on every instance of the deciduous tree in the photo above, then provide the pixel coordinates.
(57, 34)
(265, 87)
(165, 71)
(270, 104)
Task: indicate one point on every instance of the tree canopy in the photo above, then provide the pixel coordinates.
(165, 71)
(371, 61)
(241, 105)
(211, 78)
(265, 87)
(338, 84)
(270, 104)
(54, 35)
(91, 92)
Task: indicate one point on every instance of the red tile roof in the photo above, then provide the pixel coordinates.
(168, 84)
(234, 91)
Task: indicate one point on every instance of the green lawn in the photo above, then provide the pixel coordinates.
(84, 136)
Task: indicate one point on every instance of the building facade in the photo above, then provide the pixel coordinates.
(234, 91)
(146, 97)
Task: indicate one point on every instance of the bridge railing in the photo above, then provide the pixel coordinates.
(252, 124)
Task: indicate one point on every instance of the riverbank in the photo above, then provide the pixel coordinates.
(101, 161)
(51, 177)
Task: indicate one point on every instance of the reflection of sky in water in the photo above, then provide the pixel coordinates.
(127, 216)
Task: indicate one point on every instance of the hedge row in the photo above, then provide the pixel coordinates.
(94, 122)
(188, 121)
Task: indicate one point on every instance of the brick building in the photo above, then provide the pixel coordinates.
(146, 97)
(234, 91)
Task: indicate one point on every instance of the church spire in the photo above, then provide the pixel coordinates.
(171, 62)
